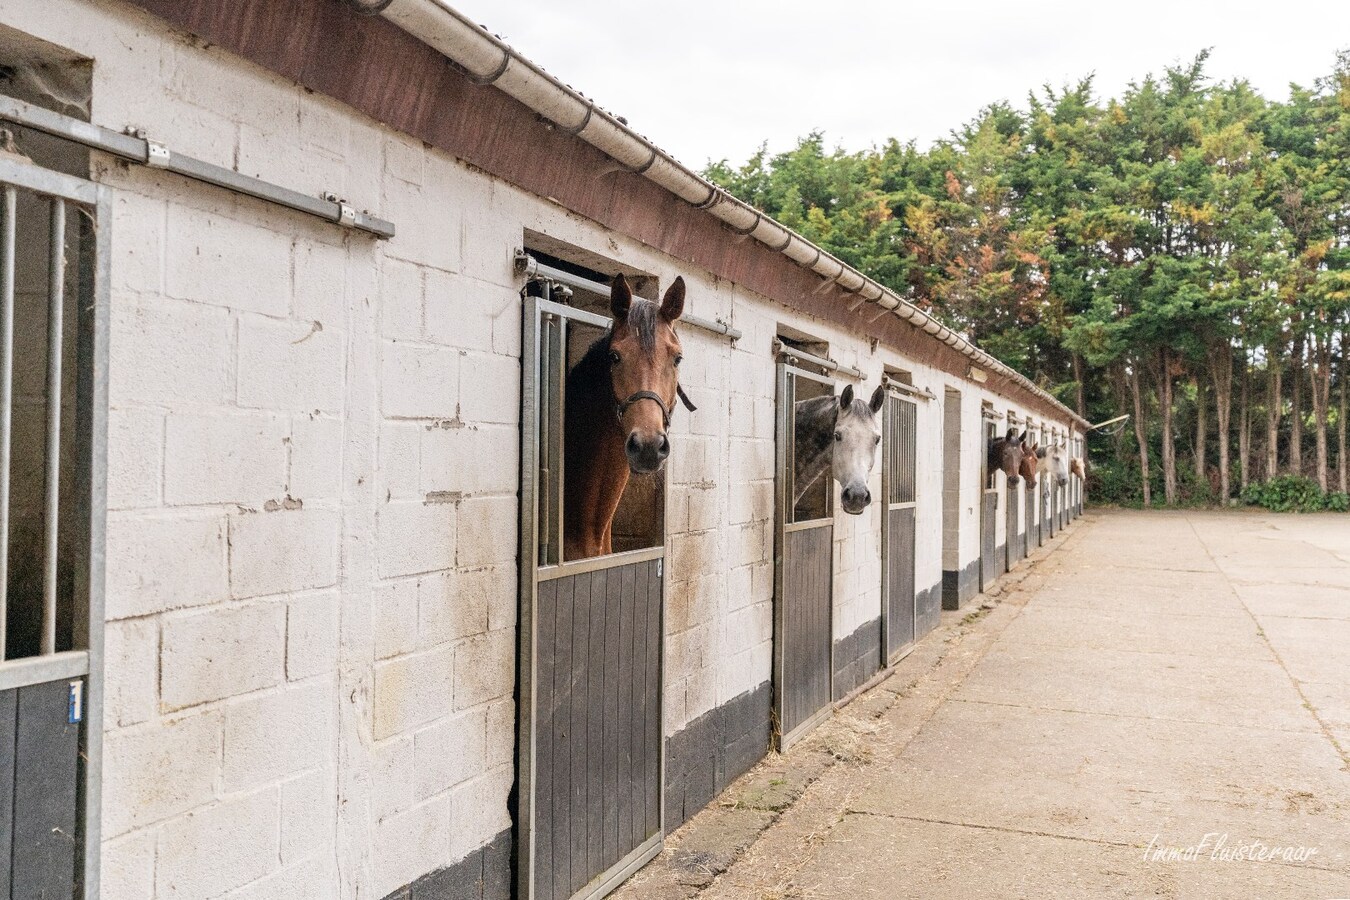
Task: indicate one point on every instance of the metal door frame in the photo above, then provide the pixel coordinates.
(888, 659)
(988, 485)
(536, 404)
(783, 505)
(68, 193)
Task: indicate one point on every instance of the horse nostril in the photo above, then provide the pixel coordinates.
(633, 445)
(663, 450)
(867, 497)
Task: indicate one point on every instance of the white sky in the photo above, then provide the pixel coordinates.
(707, 80)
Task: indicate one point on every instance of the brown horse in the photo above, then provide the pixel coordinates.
(1078, 467)
(619, 399)
(1006, 453)
(1029, 465)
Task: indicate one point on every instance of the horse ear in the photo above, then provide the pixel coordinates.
(877, 397)
(846, 398)
(672, 304)
(1023, 438)
(620, 298)
(1011, 435)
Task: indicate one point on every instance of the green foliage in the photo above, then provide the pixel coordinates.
(1293, 493)
(1172, 233)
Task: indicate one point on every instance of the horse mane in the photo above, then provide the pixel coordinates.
(590, 376)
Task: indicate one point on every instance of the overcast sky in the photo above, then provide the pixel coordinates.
(712, 80)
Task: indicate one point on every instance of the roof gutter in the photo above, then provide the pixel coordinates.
(489, 61)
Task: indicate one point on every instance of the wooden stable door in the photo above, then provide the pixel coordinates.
(803, 574)
(590, 751)
(899, 441)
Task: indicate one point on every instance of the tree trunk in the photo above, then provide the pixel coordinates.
(1296, 406)
(1169, 450)
(1221, 367)
(1245, 423)
(1319, 382)
(1122, 392)
(1274, 406)
(1140, 432)
(1080, 401)
(1201, 430)
(1342, 464)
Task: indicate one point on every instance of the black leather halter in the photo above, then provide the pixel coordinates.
(621, 407)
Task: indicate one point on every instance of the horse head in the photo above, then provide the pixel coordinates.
(644, 360)
(1054, 462)
(1078, 467)
(857, 433)
(1027, 467)
(1006, 453)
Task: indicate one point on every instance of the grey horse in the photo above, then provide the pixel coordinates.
(840, 434)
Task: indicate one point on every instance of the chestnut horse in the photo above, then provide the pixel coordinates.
(1029, 465)
(1078, 467)
(619, 399)
(1006, 453)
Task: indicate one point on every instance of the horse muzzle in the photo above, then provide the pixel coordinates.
(646, 453)
(855, 499)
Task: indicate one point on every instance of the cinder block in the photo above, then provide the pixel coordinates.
(485, 669)
(404, 158)
(480, 812)
(169, 353)
(401, 299)
(456, 605)
(420, 382)
(135, 457)
(400, 460)
(413, 690)
(411, 844)
(158, 770)
(224, 458)
(314, 878)
(311, 635)
(219, 848)
(162, 562)
(137, 242)
(127, 866)
(501, 732)
(131, 685)
(449, 753)
(392, 777)
(460, 311)
(273, 735)
(283, 551)
(396, 618)
(235, 264)
(488, 531)
(489, 389)
(449, 459)
(319, 290)
(222, 653)
(295, 366)
(316, 458)
(308, 815)
(415, 537)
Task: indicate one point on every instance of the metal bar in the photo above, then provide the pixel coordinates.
(534, 268)
(532, 340)
(910, 389)
(149, 153)
(594, 563)
(92, 512)
(808, 524)
(17, 673)
(828, 365)
(45, 181)
(56, 285)
(8, 211)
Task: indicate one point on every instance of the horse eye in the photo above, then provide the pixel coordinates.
(878, 439)
(614, 357)
(838, 435)
(678, 359)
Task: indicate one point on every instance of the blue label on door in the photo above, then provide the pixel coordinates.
(75, 703)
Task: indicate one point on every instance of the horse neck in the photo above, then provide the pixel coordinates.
(813, 437)
(595, 469)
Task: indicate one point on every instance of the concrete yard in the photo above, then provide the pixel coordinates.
(1135, 708)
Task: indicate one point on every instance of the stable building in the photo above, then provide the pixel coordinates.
(290, 293)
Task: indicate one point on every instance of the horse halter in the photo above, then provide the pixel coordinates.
(621, 407)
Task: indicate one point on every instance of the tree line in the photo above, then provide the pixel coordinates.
(1180, 253)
